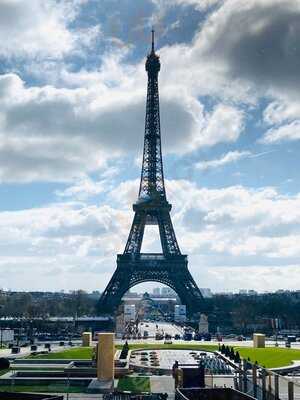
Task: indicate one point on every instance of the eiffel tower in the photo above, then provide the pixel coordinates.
(152, 208)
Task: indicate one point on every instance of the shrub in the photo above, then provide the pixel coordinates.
(227, 351)
(124, 351)
(4, 363)
(237, 358)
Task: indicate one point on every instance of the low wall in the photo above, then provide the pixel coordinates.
(28, 396)
(211, 394)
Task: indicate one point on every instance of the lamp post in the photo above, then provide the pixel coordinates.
(1, 328)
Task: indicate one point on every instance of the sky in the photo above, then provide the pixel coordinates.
(72, 105)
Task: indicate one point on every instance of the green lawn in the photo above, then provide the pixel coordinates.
(270, 357)
(77, 353)
(85, 353)
(35, 368)
(135, 384)
(54, 388)
(185, 346)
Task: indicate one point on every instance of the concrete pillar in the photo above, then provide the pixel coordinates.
(86, 339)
(240, 377)
(291, 390)
(254, 379)
(263, 384)
(245, 382)
(276, 384)
(259, 340)
(106, 355)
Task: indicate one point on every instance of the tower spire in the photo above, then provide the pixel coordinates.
(152, 47)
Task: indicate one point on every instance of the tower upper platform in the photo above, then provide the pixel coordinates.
(152, 65)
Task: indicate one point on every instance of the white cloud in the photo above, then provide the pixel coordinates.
(64, 130)
(83, 188)
(199, 4)
(224, 124)
(281, 110)
(74, 239)
(230, 157)
(40, 28)
(288, 132)
(229, 229)
(256, 41)
(242, 51)
(98, 104)
(231, 222)
(259, 277)
(56, 134)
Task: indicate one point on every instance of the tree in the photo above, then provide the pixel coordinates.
(237, 358)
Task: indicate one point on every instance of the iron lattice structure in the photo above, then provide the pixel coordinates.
(152, 208)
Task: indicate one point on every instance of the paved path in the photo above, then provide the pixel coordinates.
(162, 384)
(163, 327)
(25, 351)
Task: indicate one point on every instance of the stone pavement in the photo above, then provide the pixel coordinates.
(163, 384)
(163, 327)
(25, 351)
(82, 396)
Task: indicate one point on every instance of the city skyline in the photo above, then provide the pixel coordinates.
(72, 91)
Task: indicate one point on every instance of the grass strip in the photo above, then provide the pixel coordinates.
(54, 388)
(136, 384)
(85, 353)
(270, 357)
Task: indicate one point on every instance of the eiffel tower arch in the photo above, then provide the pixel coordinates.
(152, 208)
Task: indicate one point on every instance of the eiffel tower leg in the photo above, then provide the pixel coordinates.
(116, 288)
(134, 242)
(188, 291)
(167, 234)
(133, 270)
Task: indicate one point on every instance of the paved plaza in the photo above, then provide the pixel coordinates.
(173, 329)
(165, 358)
(162, 327)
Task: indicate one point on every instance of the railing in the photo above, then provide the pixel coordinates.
(210, 394)
(152, 256)
(131, 396)
(249, 379)
(264, 384)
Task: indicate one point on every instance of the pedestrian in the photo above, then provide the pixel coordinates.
(175, 369)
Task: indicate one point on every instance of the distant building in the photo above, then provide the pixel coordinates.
(94, 295)
(129, 312)
(252, 292)
(249, 292)
(119, 326)
(156, 291)
(228, 294)
(166, 291)
(203, 324)
(130, 294)
(180, 313)
(206, 292)
(7, 335)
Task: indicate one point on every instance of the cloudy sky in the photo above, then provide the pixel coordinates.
(72, 104)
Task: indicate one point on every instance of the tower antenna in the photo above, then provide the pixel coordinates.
(152, 48)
